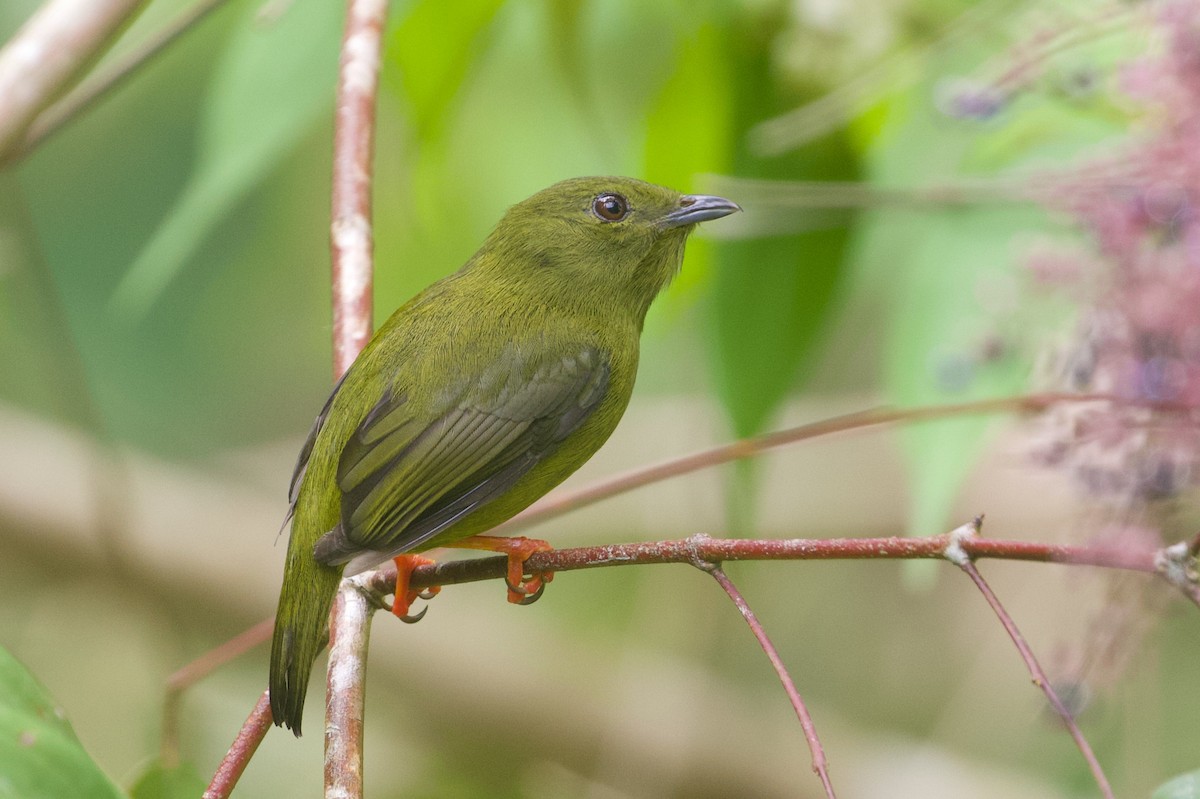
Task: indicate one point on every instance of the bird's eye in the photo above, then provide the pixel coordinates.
(610, 207)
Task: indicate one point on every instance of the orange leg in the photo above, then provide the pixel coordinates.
(405, 596)
(518, 549)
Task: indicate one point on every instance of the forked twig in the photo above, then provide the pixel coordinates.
(958, 556)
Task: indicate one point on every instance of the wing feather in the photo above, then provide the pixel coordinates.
(405, 478)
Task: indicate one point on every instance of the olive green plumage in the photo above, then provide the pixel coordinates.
(477, 396)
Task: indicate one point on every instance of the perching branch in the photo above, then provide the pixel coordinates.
(352, 268)
(54, 47)
(345, 692)
(718, 550)
(352, 247)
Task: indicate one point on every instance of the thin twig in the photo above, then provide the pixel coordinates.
(819, 764)
(835, 107)
(50, 51)
(51, 120)
(562, 502)
(345, 692)
(247, 741)
(956, 553)
(197, 670)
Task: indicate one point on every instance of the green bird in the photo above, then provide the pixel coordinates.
(477, 396)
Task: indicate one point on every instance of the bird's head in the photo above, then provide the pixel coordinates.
(608, 239)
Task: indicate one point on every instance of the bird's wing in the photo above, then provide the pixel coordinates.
(306, 451)
(404, 480)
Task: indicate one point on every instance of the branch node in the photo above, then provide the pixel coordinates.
(365, 583)
(954, 551)
(695, 543)
(1177, 564)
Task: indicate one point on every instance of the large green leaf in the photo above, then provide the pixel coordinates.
(772, 296)
(434, 48)
(1185, 786)
(955, 329)
(37, 349)
(688, 131)
(273, 82)
(40, 757)
(158, 781)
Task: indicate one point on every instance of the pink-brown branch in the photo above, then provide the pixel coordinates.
(353, 148)
(819, 765)
(53, 118)
(957, 553)
(345, 692)
(49, 53)
(243, 748)
(718, 550)
(353, 269)
(563, 502)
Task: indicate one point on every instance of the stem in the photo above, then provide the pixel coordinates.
(197, 670)
(54, 47)
(819, 764)
(563, 502)
(51, 120)
(345, 694)
(353, 145)
(1039, 676)
(352, 247)
(243, 748)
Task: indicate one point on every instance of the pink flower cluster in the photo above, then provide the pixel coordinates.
(1136, 279)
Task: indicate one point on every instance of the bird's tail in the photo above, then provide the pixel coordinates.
(301, 629)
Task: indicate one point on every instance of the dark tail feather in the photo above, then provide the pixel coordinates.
(301, 631)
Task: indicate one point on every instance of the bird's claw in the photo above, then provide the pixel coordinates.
(413, 618)
(529, 599)
(405, 596)
(526, 592)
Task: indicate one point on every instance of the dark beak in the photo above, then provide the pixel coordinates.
(695, 208)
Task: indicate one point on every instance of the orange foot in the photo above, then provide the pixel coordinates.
(405, 596)
(521, 591)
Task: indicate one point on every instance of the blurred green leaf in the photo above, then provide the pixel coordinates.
(688, 130)
(955, 330)
(39, 753)
(930, 267)
(160, 782)
(271, 85)
(772, 297)
(35, 338)
(1185, 786)
(434, 48)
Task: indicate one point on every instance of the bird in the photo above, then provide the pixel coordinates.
(475, 398)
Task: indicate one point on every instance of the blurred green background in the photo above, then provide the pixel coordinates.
(164, 345)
